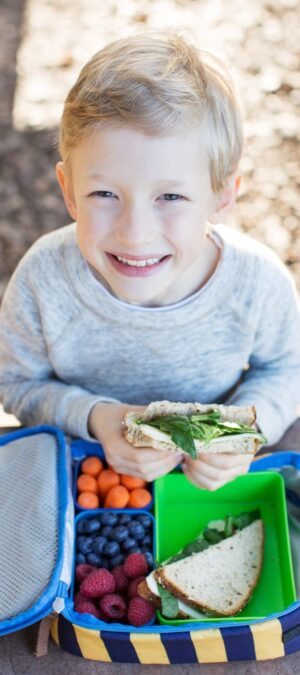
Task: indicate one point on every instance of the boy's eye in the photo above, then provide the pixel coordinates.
(102, 193)
(171, 197)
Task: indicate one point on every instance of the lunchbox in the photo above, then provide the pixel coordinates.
(37, 468)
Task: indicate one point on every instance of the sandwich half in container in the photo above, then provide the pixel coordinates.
(207, 579)
(195, 428)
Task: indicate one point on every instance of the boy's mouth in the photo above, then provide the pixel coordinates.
(137, 266)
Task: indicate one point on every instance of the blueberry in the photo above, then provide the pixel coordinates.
(80, 559)
(144, 519)
(117, 560)
(99, 543)
(84, 544)
(81, 525)
(128, 544)
(149, 558)
(124, 518)
(119, 533)
(93, 525)
(147, 541)
(109, 518)
(94, 559)
(106, 530)
(111, 548)
(136, 530)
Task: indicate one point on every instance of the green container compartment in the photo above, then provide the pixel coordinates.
(182, 511)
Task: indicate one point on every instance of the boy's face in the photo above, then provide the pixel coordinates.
(142, 204)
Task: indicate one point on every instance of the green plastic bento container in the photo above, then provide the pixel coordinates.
(182, 511)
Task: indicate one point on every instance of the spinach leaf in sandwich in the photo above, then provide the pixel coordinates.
(169, 604)
(206, 427)
(179, 428)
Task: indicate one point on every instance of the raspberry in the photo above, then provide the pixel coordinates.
(80, 597)
(135, 565)
(82, 571)
(113, 606)
(140, 611)
(132, 588)
(120, 578)
(103, 616)
(98, 583)
(87, 608)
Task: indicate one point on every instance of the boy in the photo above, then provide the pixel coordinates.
(148, 296)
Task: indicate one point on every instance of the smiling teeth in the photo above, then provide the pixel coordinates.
(138, 263)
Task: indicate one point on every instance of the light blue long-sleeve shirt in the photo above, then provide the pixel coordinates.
(66, 342)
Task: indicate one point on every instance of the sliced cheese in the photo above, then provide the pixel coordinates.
(154, 433)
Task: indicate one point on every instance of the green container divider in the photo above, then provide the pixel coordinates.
(182, 511)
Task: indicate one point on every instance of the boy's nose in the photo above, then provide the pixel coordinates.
(135, 228)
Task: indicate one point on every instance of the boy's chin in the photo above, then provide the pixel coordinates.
(130, 296)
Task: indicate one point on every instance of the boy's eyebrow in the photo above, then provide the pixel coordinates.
(169, 181)
(99, 175)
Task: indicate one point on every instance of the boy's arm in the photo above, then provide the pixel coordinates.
(29, 387)
(272, 382)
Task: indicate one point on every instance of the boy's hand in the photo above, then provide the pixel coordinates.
(105, 424)
(213, 471)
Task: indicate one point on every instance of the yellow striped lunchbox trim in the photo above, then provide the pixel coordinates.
(54, 631)
(209, 645)
(89, 641)
(267, 637)
(91, 644)
(149, 648)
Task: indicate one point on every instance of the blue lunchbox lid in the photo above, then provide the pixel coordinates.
(37, 517)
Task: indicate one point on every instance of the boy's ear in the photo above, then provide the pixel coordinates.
(65, 183)
(225, 200)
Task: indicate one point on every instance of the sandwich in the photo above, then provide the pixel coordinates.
(194, 428)
(214, 576)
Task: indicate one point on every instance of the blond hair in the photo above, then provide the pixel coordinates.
(160, 84)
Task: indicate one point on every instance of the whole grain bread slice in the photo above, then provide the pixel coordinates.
(220, 579)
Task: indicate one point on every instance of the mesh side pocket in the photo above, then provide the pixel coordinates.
(29, 522)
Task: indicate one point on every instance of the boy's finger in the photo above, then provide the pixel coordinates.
(147, 470)
(200, 468)
(203, 482)
(222, 461)
(146, 454)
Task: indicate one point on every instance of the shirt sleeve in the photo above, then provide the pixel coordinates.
(29, 387)
(272, 381)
